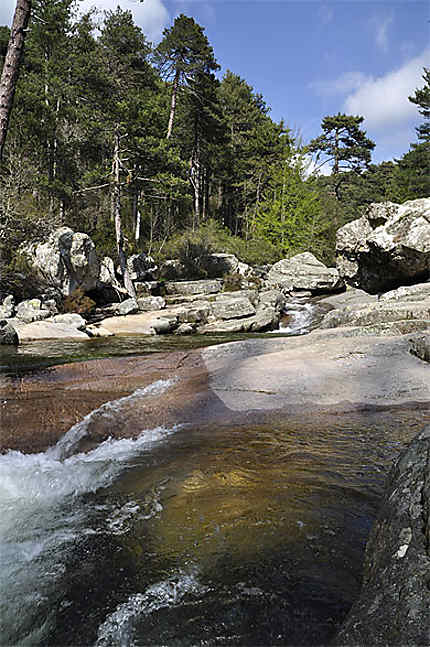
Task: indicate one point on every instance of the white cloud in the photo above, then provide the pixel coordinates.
(151, 15)
(381, 35)
(384, 101)
(344, 84)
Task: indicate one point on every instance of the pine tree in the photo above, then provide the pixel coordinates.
(422, 99)
(181, 56)
(343, 144)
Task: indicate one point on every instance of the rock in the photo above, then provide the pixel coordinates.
(304, 272)
(8, 334)
(420, 346)
(66, 261)
(220, 264)
(31, 310)
(141, 267)
(7, 309)
(408, 293)
(393, 608)
(107, 284)
(147, 304)
(194, 312)
(143, 323)
(71, 319)
(185, 329)
(206, 286)
(96, 330)
(128, 307)
(252, 295)
(351, 297)
(265, 318)
(386, 248)
(232, 307)
(273, 299)
(377, 313)
(38, 330)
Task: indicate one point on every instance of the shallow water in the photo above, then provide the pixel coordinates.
(245, 536)
(251, 535)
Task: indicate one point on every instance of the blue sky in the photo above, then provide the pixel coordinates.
(311, 58)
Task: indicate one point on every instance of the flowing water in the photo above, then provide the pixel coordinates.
(211, 536)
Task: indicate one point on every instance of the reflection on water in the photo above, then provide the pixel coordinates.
(249, 536)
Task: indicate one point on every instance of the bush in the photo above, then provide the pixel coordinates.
(79, 302)
(194, 253)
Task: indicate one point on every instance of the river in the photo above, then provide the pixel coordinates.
(252, 535)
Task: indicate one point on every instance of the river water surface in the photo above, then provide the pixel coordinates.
(251, 535)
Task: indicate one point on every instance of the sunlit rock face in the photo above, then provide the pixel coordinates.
(386, 248)
(304, 272)
(66, 261)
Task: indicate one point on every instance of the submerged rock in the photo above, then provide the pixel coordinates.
(386, 248)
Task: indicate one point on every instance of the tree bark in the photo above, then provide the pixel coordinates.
(173, 103)
(116, 206)
(12, 61)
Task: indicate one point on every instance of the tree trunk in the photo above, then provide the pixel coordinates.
(10, 72)
(173, 104)
(116, 207)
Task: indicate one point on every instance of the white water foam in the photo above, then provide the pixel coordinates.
(41, 515)
(118, 627)
(300, 318)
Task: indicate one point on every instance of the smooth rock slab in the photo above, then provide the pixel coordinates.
(212, 286)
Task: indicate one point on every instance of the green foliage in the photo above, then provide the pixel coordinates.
(80, 303)
(422, 99)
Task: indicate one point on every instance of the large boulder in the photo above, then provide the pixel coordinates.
(386, 248)
(31, 310)
(141, 267)
(8, 334)
(393, 608)
(66, 261)
(187, 288)
(7, 308)
(304, 272)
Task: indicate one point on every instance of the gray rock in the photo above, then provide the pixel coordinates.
(172, 270)
(377, 313)
(209, 286)
(107, 277)
(195, 312)
(128, 307)
(386, 248)
(417, 292)
(141, 267)
(265, 318)
(393, 608)
(185, 329)
(31, 310)
(7, 309)
(66, 261)
(164, 325)
(71, 319)
(252, 295)
(420, 346)
(273, 299)
(8, 334)
(148, 304)
(304, 272)
(232, 307)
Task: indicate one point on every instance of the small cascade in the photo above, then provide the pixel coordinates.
(42, 515)
(301, 314)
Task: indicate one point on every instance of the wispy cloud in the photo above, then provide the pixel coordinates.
(342, 85)
(381, 26)
(384, 101)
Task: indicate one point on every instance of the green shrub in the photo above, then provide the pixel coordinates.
(194, 253)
